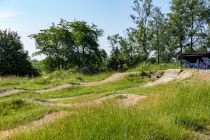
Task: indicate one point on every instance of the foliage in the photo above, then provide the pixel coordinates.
(71, 44)
(13, 59)
(160, 36)
(171, 111)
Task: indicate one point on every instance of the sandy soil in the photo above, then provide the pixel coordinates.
(171, 75)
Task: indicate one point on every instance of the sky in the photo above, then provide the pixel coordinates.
(30, 16)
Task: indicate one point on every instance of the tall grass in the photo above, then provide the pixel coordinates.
(128, 82)
(14, 112)
(49, 80)
(175, 113)
(155, 67)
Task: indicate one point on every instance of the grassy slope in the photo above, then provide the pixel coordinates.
(172, 111)
(127, 82)
(176, 111)
(49, 80)
(155, 67)
(14, 112)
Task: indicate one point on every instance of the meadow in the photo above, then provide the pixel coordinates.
(174, 110)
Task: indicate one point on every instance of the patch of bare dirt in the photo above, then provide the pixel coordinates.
(58, 87)
(10, 91)
(203, 75)
(129, 99)
(171, 75)
(114, 77)
(47, 119)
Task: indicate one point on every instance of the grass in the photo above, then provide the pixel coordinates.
(49, 80)
(15, 112)
(178, 110)
(128, 82)
(154, 67)
(78, 99)
(174, 113)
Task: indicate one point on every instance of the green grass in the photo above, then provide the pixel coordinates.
(174, 112)
(128, 82)
(155, 67)
(79, 99)
(49, 80)
(15, 112)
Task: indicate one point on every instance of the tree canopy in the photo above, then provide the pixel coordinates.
(13, 59)
(71, 44)
(159, 37)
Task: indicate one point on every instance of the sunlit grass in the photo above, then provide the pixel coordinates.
(49, 80)
(15, 112)
(173, 113)
(128, 82)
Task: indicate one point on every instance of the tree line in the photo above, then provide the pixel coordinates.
(160, 37)
(157, 37)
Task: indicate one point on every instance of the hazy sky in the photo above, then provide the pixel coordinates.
(29, 16)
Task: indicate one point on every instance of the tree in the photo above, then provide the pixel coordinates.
(71, 44)
(13, 59)
(178, 20)
(141, 18)
(158, 27)
(197, 16)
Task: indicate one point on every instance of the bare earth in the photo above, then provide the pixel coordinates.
(129, 100)
(171, 75)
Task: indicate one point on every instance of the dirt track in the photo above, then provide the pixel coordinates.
(169, 75)
(112, 78)
(128, 100)
(121, 99)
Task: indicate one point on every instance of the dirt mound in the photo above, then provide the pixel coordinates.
(171, 75)
(114, 77)
(127, 100)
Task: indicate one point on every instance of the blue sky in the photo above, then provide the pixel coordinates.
(29, 16)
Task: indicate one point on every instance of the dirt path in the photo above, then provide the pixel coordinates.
(112, 78)
(10, 91)
(47, 119)
(122, 99)
(127, 100)
(59, 87)
(171, 75)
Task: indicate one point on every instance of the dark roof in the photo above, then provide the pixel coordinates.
(194, 55)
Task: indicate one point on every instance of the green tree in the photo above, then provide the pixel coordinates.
(197, 19)
(71, 44)
(178, 20)
(141, 18)
(158, 28)
(13, 59)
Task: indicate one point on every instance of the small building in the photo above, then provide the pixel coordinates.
(195, 60)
